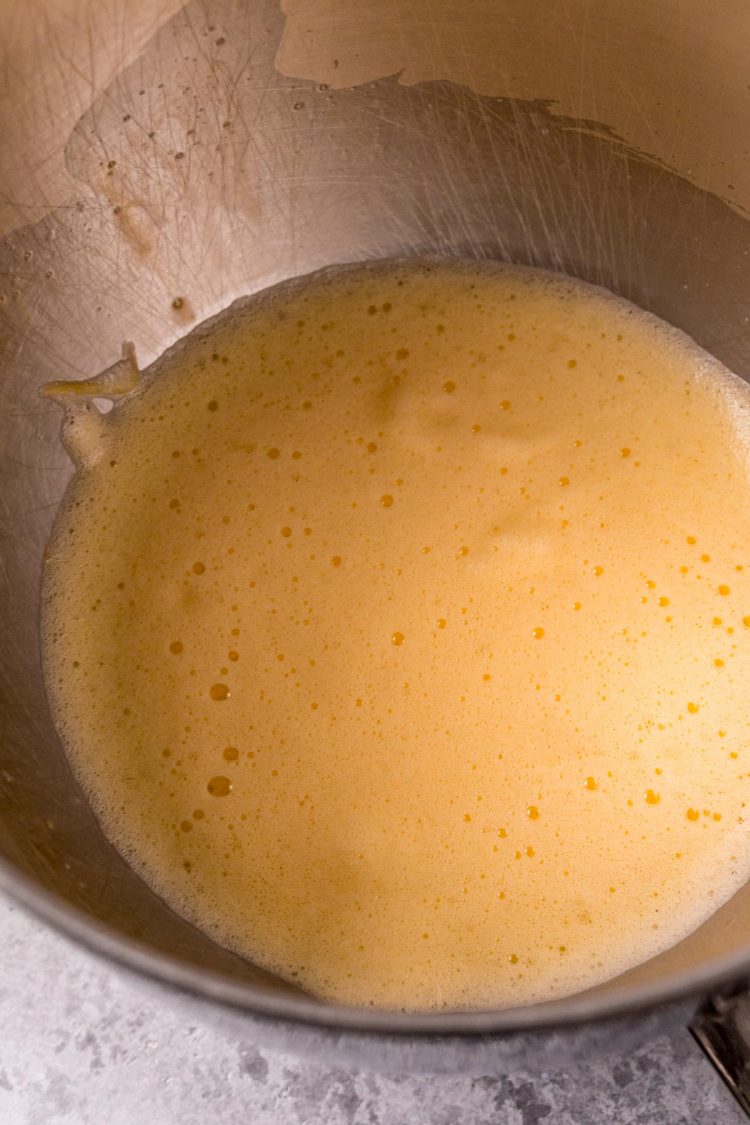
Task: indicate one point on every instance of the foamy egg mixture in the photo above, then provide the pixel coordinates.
(398, 629)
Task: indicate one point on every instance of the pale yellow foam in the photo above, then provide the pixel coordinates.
(399, 634)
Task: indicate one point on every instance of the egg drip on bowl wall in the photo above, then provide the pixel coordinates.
(397, 629)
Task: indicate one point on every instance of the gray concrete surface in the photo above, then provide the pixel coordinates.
(79, 1046)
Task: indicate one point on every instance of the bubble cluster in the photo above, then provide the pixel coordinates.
(400, 635)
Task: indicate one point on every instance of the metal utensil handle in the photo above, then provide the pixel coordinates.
(722, 1030)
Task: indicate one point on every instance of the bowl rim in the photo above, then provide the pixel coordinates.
(209, 986)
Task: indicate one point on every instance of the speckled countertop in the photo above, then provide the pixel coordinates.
(79, 1046)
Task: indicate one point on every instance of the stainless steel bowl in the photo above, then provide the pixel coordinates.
(159, 159)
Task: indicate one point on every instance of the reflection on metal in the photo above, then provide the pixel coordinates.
(659, 80)
(722, 1029)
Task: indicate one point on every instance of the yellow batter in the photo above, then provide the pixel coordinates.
(398, 630)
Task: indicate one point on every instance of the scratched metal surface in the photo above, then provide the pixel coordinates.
(159, 165)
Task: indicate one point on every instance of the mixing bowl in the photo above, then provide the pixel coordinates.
(159, 159)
